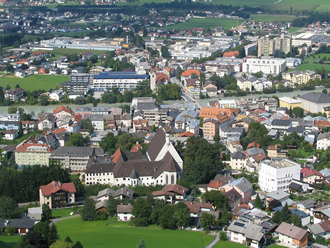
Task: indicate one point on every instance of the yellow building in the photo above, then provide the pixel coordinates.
(288, 102)
(32, 154)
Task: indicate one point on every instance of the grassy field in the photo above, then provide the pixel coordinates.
(273, 18)
(228, 244)
(64, 212)
(311, 67)
(9, 241)
(34, 82)
(206, 23)
(294, 29)
(120, 235)
(300, 5)
(19, 140)
(316, 58)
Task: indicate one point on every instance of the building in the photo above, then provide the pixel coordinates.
(96, 120)
(121, 80)
(226, 104)
(289, 103)
(266, 47)
(321, 229)
(32, 153)
(290, 235)
(210, 128)
(308, 38)
(282, 44)
(62, 112)
(47, 121)
(75, 158)
(124, 212)
(14, 94)
(248, 234)
(56, 95)
(143, 103)
(171, 194)
(311, 176)
(301, 77)
(314, 103)
(238, 160)
(323, 141)
(9, 121)
(224, 115)
(242, 186)
(57, 194)
(21, 226)
(11, 134)
(70, 86)
(264, 65)
(277, 175)
(82, 77)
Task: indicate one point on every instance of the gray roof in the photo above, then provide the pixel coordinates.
(78, 151)
(92, 117)
(298, 129)
(323, 136)
(316, 98)
(277, 122)
(325, 172)
(124, 208)
(249, 230)
(125, 192)
(242, 183)
(278, 195)
(291, 231)
(156, 144)
(101, 204)
(108, 191)
(18, 223)
(307, 203)
(238, 155)
(100, 168)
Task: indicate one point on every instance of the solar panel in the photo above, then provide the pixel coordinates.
(239, 224)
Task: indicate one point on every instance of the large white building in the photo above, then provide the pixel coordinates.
(265, 65)
(120, 80)
(277, 175)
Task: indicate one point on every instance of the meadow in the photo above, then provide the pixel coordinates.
(34, 82)
(63, 212)
(206, 23)
(273, 18)
(62, 51)
(9, 241)
(103, 233)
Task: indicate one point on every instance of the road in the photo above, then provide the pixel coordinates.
(216, 240)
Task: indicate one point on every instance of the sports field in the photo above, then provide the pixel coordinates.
(273, 18)
(207, 23)
(311, 67)
(120, 235)
(34, 82)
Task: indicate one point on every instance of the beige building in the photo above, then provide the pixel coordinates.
(300, 77)
(30, 153)
(288, 102)
(282, 44)
(266, 47)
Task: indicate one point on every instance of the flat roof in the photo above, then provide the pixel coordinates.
(289, 100)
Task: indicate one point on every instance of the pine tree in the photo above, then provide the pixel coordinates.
(53, 236)
(258, 203)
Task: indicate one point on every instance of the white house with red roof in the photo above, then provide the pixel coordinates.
(62, 112)
(32, 153)
(171, 193)
(311, 176)
(57, 194)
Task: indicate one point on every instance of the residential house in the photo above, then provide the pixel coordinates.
(10, 134)
(301, 77)
(238, 160)
(321, 229)
(290, 235)
(214, 185)
(210, 128)
(61, 112)
(101, 206)
(276, 151)
(47, 121)
(196, 208)
(56, 95)
(49, 139)
(242, 186)
(171, 194)
(311, 176)
(323, 141)
(57, 194)
(246, 233)
(124, 212)
(211, 89)
(97, 121)
(22, 226)
(28, 125)
(305, 205)
(280, 197)
(321, 214)
(14, 94)
(234, 197)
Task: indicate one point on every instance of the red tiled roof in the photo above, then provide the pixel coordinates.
(60, 130)
(186, 134)
(215, 184)
(176, 188)
(321, 123)
(306, 172)
(116, 156)
(194, 207)
(54, 186)
(253, 144)
(77, 117)
(136, 148)
(25, 146)
(61, 108)
(27, 122)
(189, 72)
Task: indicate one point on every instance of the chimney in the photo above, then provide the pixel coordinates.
(167, 139)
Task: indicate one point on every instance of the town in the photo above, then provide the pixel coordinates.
(120, 119)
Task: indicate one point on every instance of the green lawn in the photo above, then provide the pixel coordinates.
(299, 5)
(316, 58)
(34, 82)
(64, 212)
(9, 241)
(311, 67)
(206, 23)
(273, 18)
(106, 234)
(19, 140)
(276, 246)
(294, 29)
(228, 244)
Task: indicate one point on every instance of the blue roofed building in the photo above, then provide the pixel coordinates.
(119, 79)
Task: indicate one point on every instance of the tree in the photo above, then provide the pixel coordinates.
(141, 211)
(46, 213)
(2, 95)
(142, 244)
(258, 203)
(108, 143)
(53, 235)
(8, 208)
(182, 214)
(193, 197)
(87, 124)
(78, 245)
(68, 239)
(295, 220)
(218, 199)
(166, 218)
(298, 112)
(43, 100)
(112, 206)
(225, 217)
(286, 213)
(208, 221)
(42, 228)
(10, 230)
(77, 139)
(61, 244)
(223, 236)
(33, 239)
(88, 211)
(216, 137)
(277, 217)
